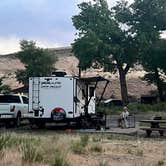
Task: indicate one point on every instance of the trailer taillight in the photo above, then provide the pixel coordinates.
(12, 109)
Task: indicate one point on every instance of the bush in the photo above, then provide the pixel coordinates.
(160, 163)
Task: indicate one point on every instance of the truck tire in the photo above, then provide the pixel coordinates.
(18, 120)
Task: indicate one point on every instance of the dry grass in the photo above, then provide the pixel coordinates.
(55, 150)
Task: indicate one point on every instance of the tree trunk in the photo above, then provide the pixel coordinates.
(159, 85)
(123, 86)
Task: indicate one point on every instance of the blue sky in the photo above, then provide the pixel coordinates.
(48, 22)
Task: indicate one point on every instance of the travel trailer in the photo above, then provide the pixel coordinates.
(62, 98)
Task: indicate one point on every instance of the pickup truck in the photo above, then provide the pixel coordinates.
(13, 108)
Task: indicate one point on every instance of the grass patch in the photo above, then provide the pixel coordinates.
(102, 163)
(78, 147)
(139, 153)
(135, 108)
(5, 140)
(59, 159)
(30, 152)
(84, 140)
(96, 148)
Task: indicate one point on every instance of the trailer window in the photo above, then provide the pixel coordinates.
(25, 100)
(9, 99)
(91, 91)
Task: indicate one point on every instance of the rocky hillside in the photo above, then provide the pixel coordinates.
(68, 63)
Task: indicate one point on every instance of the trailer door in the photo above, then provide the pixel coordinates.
(91, 97)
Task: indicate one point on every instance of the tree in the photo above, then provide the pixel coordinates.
(37, 61)
(149, 21)
(4, 88)
(103, 39)
(154, 62)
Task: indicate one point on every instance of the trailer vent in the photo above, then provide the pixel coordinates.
(59, 74)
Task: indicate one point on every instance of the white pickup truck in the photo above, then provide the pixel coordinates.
(13, 108)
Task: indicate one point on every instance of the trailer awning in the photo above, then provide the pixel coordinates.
(93, 79)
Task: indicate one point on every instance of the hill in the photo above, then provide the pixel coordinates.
(68, 62)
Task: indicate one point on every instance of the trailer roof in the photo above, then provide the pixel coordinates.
(93, 79)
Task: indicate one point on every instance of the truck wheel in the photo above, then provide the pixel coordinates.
(18, 120)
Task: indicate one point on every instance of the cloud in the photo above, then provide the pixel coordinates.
(11, 44)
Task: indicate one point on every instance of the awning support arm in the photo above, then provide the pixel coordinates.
(107, 82)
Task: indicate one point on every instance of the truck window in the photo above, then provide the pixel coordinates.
(9, 99)
(25, 100)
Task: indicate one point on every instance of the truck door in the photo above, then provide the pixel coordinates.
(25, 104)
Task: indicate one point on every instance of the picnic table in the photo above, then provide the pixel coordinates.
(154, 126)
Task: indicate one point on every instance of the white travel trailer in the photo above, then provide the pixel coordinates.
(62, 98)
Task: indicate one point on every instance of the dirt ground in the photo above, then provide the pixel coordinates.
(97, 150)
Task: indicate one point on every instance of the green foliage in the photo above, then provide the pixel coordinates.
(101, 40)
(160, 163)
(37, 61)
(119, 37)
(154, 62)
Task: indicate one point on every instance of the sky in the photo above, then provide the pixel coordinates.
(48, 22)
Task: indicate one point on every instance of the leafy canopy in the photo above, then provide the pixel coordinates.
(101, 38)
(37, 61)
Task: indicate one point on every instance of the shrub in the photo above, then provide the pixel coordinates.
(160, 163)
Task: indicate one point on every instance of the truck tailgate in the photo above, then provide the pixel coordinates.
(4, 108)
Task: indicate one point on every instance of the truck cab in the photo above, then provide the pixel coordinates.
(13, 108)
